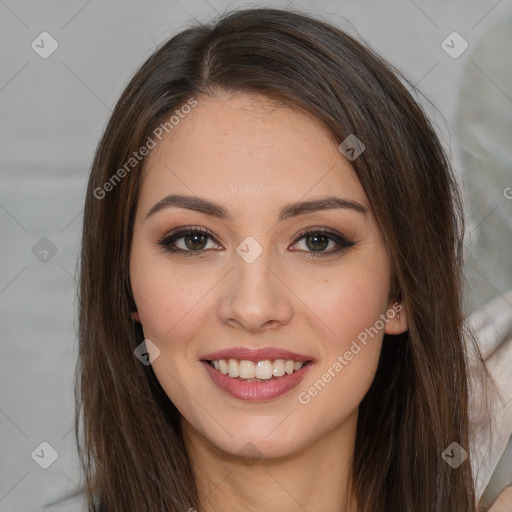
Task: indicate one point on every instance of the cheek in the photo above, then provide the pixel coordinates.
(167, 300)
(349, 305)
(169, 305)
(347, 302)
(349, 308)
(339, 387)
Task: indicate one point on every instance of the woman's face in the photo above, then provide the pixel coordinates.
(253, 280)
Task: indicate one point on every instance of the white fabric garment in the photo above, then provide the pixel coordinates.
(484, 131)
(492, 325)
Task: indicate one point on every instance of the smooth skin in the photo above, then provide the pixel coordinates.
(253, 157)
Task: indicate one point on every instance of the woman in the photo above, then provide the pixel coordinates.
(270, 310)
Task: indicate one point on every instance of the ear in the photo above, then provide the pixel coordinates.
(136, 316)
(396, 315)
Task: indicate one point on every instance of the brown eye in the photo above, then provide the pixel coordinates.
(195, 241)
(192, 241)
(318, 240)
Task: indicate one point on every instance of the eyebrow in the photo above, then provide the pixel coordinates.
(213, 209)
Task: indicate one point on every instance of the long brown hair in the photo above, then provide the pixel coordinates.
(132, 450)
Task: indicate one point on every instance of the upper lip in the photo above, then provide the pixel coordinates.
(255, 354)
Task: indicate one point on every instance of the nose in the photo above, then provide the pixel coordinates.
(254, 296)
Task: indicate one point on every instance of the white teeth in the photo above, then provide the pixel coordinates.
(264, 369)
(247, 369)
(261, 370)
(223, 366)
(289, 366)
(233, 368)
(278, 368)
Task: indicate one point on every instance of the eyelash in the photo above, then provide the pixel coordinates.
(166, 241)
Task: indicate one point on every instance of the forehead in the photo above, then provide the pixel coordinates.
(247, 146)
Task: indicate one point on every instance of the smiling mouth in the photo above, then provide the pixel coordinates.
(261, 371)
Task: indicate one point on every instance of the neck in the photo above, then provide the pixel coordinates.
(316, 477)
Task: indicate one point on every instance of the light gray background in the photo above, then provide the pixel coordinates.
(52, 113)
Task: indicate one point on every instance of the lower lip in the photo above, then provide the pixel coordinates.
(256, 391)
